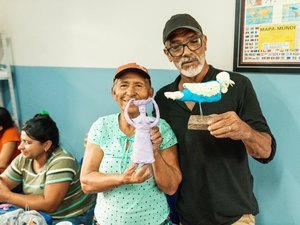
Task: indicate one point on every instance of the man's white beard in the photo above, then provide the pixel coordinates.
(191, 72)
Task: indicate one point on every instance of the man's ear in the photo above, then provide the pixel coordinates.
(168, 54)
(204, 42)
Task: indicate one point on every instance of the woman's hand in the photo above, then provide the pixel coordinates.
(4, 191)
(132, 175)
(156, 138)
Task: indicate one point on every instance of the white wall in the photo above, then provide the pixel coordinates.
(93, 33)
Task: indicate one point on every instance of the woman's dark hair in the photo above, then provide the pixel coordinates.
(5, 119)
(42, 128)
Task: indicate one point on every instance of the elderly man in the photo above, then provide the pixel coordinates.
(217, 185)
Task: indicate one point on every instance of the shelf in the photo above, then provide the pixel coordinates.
(5, 74)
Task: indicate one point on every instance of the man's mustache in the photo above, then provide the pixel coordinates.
(187, 59)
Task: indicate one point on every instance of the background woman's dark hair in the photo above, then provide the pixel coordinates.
(42, 128)
(5, 119)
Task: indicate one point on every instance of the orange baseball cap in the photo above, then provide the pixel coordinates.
(131, 67)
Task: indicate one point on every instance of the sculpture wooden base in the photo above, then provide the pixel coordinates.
(198, 122)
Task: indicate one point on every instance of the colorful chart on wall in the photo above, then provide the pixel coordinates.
(267, 36)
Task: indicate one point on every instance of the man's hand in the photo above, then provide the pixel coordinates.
(229, 125)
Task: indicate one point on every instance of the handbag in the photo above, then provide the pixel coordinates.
(13, 215)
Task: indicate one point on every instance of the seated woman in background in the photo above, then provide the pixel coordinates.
(9, 139)
(50, 175)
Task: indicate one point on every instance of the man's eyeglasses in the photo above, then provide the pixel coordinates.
(193, 45)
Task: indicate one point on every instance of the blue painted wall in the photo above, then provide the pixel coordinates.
(277, 185)
(75, 97)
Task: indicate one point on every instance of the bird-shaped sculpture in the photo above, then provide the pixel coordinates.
(209, 91)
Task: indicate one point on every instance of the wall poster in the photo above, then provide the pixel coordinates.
(267, 36)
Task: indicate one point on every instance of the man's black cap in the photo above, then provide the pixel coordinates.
(180, 21)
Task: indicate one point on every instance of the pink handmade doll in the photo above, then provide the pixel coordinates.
(142, 145)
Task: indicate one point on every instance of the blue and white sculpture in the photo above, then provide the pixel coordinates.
(203, 92)
(210, 91)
